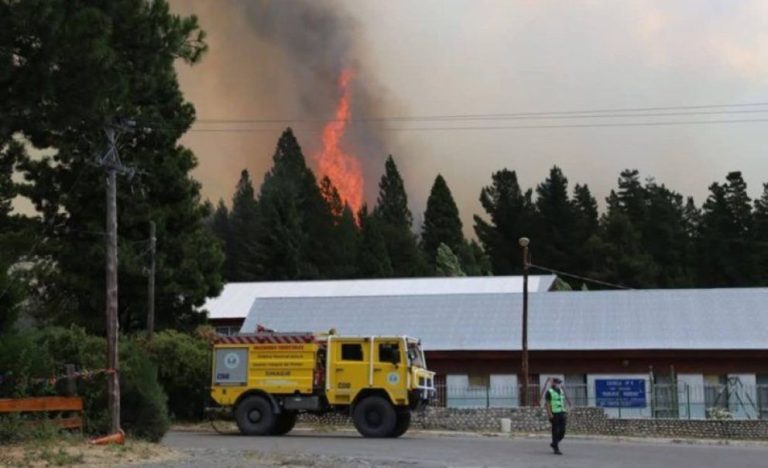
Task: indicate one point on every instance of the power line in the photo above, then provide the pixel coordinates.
(481, 117)
(492, 116)
(578, 277)
(504, 127)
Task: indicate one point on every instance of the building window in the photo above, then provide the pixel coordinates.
(762, 395)
(664, 402)
(389, 352)
(351, 352)
(716, 393)
(478, 380)
(576, 389)
(227, 331)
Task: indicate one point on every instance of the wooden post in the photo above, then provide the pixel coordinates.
(525, 394)
(113, 382)
(71, 388)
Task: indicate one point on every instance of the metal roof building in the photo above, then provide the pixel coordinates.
(692, 319)
(708, 342)
(236, 299)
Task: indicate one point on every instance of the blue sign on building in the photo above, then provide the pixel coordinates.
(620, 393)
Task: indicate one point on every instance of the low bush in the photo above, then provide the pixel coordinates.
(144, 405)
(29, 358)
(17, 428)
(184, 371)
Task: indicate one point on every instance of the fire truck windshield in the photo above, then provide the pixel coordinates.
(415, 355)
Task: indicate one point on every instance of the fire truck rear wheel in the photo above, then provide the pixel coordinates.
(403, 423)
(254, 416)
(285, 423)
(374, 416)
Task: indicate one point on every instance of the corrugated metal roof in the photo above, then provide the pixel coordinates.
(236, 299)
(579, 320)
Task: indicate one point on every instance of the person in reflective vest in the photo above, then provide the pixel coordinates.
(556, 410)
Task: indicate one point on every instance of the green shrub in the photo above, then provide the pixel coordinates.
(15, 427)
(20, 362)
(41, 353)
(144, 405)
(184, 370)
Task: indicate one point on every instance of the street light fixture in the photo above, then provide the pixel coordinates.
(524, 242)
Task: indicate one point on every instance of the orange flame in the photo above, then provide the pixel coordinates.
(344, 169)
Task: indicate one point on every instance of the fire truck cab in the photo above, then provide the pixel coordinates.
(266, 379)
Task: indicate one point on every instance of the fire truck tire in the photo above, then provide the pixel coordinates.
(402, 424)
(374, 416)
(254, 416)
(285, 423)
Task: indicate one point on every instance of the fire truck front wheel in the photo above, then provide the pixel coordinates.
(254, 416)
(374, 416)
(403, 423)
(285, 423)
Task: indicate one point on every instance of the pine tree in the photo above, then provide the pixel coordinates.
(623, 258)
(112, 61)
(302, 220)
(587, 218)
(373, 258)
(442, 224)
(10, 290)
(473, 260)
(344, 245)
(285, 242)
(511, 214)
(347, 238)
(242, 231)
(447, 263)
(586, 230)
(392, 203)
(632, 195)
(555, 226)
(760, 235)
(665, 236)
(726, 252)
(395, 222)
(692, 219)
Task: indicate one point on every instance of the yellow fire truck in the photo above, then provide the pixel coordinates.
(265, 379)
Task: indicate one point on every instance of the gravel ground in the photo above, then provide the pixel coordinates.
(305, 448)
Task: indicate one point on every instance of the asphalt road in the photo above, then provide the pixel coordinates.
(304, 448)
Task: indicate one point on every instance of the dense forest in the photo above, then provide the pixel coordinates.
(649, 236)
(61, 87)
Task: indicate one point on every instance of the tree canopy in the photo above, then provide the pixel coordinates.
(68, 70)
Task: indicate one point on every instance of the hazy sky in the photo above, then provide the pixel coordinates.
(446, 57)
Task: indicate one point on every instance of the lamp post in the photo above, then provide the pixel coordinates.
(524, 241)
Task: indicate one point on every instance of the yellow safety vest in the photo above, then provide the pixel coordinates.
(557, 400)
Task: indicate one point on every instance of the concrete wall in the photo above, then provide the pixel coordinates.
(580, 421)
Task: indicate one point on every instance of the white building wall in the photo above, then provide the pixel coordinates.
(503, 391)
(691, 396)
(457, 392)
(742, 402)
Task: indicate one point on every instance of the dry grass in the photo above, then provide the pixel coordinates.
(76, 451)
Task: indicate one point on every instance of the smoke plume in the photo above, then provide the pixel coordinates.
(283, 60)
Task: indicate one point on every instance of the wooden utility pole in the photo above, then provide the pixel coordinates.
(151, 280)
(524, 241)
(110, 161)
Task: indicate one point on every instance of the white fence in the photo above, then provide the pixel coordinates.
(666, 401)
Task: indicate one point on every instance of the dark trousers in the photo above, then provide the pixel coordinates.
(558, 428)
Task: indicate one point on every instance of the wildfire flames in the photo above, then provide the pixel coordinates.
(344, 169)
